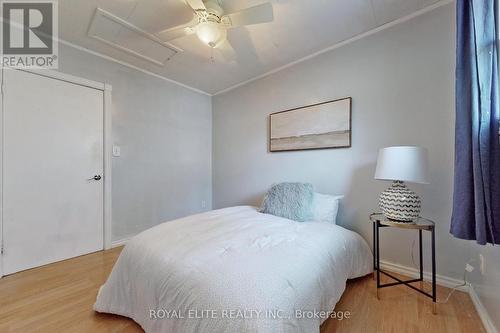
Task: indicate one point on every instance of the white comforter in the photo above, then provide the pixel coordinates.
(233, 270)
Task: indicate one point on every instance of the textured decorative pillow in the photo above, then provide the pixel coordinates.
(325, 207)
(290, 200)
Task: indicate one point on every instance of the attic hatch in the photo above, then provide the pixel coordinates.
(126, 37)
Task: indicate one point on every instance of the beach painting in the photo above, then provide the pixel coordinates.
(318, 126)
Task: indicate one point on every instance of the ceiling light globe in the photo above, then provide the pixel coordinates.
(210, 33)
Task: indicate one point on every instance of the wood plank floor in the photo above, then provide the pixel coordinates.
(59, 298)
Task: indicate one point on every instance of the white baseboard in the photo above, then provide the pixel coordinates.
(119, 242)
(441, 280)
(481, 310)
(448, 282)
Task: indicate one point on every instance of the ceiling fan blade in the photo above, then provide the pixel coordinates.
(179, 31)
(196, 4)
(258, 14)
(174, 33)
(227, 51)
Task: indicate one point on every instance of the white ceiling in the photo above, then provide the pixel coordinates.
(300, 28)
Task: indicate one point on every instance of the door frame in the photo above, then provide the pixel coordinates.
(107, 148)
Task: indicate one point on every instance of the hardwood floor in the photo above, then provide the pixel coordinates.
(59, 298)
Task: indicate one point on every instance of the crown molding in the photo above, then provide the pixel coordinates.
(126, 64)
(340, 44)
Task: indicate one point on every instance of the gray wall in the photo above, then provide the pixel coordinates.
(402, 84)
(165, 134)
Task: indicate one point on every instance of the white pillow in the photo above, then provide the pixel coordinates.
(325, 207)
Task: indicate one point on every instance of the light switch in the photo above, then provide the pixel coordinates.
(116, 151)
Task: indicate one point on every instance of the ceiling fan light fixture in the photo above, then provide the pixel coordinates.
(210, 33)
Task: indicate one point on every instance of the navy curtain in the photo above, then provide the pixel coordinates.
(476, 197)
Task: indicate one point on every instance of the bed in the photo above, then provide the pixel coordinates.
(234, 270)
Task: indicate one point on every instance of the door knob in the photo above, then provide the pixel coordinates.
(96, 177)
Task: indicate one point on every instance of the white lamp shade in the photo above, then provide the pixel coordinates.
(405, 163)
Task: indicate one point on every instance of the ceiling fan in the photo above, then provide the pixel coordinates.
(210, 24)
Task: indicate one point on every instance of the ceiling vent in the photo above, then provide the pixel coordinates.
(128, 38)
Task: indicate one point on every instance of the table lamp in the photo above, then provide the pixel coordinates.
(401, 164)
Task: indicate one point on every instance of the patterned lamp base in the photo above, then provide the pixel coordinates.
(400, 203)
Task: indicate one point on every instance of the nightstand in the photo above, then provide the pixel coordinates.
(420, 224)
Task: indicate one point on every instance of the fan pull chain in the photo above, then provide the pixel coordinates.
(212, 59)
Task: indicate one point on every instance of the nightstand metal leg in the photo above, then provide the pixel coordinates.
(374, 254)
(434, 291)
(378, 256)
(421, 259)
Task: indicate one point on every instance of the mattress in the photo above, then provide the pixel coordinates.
(234, 270)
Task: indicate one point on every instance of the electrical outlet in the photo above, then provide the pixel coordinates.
(482, 265)
(469, 268)
(203, 204)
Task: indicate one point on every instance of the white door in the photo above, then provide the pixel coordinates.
(53, 146)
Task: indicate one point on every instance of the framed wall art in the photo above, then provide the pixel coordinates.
(317, 126)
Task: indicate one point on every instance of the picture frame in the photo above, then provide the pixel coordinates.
(325, 125)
